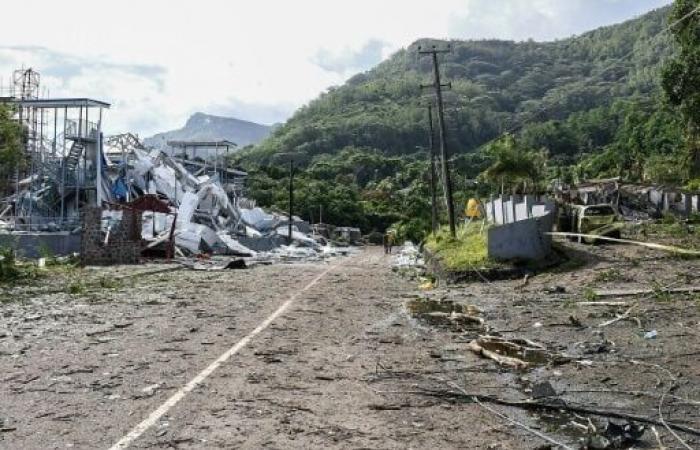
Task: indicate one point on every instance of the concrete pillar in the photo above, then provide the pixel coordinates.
(687, 205)
(502, 205)
(528, 205)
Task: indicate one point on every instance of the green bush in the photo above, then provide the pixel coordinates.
(11, 271)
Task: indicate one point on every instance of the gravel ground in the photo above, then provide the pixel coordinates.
(346, 366)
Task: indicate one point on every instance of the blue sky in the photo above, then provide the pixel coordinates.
(159, 61)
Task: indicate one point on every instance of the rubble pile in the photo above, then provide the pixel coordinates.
(209, 218)
(200, 209)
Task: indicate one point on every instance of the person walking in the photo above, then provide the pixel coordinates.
(388, 241)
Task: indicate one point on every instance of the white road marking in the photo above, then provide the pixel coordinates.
(142, 427)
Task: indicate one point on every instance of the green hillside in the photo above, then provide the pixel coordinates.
(591, 104)
(496, 84)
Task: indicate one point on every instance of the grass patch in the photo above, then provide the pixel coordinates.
(607, 276)
(667, 228)
(13, 271)
(107, 282)
(76, 288)
(469, 249)
(589, 294)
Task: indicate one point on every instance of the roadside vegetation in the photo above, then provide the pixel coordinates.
(12, 271)
(467, 251)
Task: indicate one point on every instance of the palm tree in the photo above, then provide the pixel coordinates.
(513, 165)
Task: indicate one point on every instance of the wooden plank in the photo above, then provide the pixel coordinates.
(633, 292)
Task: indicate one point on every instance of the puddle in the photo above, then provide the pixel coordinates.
(421, 306)
(442, 314)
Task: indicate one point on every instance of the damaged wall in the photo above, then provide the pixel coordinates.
(501, 211)
(522, 240)
(123, 245)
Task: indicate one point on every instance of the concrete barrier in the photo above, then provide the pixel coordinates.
(522, 240)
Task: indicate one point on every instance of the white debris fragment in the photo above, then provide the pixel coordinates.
(408, 256)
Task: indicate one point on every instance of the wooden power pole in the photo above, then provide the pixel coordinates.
(444, 154)
(433, 174)
(291, 198)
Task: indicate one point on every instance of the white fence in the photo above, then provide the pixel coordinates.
(504, 210)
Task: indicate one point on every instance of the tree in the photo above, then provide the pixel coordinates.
(513, 164)
(681, 76)
(10, 146)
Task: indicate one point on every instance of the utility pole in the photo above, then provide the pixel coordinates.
(291, 198)
(437, 86)
(433, 174)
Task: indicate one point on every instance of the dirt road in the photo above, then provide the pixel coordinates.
(318, 355)
(81, 370)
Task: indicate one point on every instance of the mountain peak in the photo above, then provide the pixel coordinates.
(203, 126)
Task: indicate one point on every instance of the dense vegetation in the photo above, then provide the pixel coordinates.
(681, 77)
(10, 146)
(587, 106)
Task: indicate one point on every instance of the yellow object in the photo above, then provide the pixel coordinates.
(427, 286)
(473, 210)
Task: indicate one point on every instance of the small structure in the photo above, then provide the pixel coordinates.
(348, 234)
(210, 158)
(114, 235)
(110, 237)
(63, 145)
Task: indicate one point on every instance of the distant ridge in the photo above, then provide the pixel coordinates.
(201, 126)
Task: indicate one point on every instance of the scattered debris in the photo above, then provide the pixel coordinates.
(615, 435)
(517, 353)
(555, 289)
(408, 260)
(543, 390)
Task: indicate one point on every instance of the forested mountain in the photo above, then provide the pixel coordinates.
(587, 106)
(495, 85)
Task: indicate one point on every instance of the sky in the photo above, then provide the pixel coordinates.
(159, 61)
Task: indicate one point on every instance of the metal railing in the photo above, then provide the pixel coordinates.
(38, 224)
(80, 129)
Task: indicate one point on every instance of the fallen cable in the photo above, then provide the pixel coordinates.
(511, 420)
(530, 405)
(666, 425)
(523, 426)
(658, 438)
(667, 248)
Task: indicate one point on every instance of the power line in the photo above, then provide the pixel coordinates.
(681, 19)
(433, 177)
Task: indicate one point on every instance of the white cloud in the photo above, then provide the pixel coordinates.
(542, 19)
(349, 60)
(158, 61)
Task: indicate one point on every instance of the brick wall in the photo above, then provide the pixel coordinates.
(123, 246)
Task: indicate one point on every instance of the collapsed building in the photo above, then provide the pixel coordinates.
(182, 203)
(635, 201)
